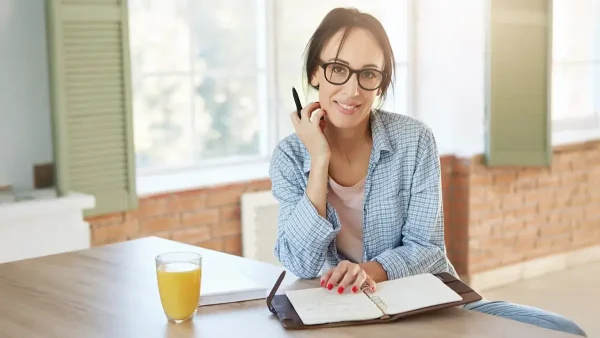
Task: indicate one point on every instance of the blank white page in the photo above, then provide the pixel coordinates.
(319, 305)
(414, 292)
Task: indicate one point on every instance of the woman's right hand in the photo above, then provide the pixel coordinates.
(309, 128)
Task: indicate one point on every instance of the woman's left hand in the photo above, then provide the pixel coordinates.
(347, 276)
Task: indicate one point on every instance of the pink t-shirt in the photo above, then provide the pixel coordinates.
(348, 203)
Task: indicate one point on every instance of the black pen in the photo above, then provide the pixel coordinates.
(298, 104)
(297, 101)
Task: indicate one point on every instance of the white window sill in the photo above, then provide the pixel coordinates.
(565, 137)
(43, 204)
(197, 178)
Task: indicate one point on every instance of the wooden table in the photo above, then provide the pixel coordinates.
(111, 291)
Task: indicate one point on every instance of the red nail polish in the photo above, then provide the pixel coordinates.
(341, 290)
(322, 283)
(329, 286)
(354, 289)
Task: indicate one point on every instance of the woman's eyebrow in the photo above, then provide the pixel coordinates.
(370, 65)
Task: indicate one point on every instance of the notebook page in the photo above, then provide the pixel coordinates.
(319, 306)
(414, 292)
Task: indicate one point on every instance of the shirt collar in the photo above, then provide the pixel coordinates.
(381, 141)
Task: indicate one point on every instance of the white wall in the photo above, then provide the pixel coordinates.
(25, 129)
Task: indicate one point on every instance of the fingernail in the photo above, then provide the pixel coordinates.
(329, 286)
(322, 283)
(354, 289)
(373, 289)
(341, 290)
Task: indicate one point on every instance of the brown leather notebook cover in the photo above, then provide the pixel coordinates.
(283, 309)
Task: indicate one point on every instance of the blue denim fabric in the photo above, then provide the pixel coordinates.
(527, 314)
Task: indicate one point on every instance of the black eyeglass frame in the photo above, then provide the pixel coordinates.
(352, 71)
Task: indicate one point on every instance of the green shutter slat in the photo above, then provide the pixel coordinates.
(91, 95)
(88, 145)
(104, 174)
(93, 115)
(93, 158)
(89, 110)
(517, 83)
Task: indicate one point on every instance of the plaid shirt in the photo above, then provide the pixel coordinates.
(403, 216)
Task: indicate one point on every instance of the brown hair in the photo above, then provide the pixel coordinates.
(348, 19)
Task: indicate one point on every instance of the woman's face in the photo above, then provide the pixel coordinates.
(347, 105)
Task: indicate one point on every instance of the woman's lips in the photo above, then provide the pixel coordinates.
(347, 108)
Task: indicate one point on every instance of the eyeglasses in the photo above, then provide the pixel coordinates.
(338, 73)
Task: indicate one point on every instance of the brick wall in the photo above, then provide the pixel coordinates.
(209, 218)
(455, 190)
(518, 214)
(493, 216)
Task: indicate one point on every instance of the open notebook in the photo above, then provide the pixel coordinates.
(318, 306)
(391, 300)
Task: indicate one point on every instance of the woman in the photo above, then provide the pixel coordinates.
(359, 190)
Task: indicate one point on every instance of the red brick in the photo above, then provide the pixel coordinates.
(213, 244)
(482, 180)
(575, 177)
(548, 181)
(158, 224)
(199, 218)
(229, 213)
(192, 235)
(132, 229)
(536, 222)
(227, 196)
(108, 234)
(152, 207)
(233, 245)
(461, 166)
(528, 173)
(481, 231)
(512, 202)
(505, 177)
(106, 219)
(512, 227)
(226, 228)
(553, 229)
(535, 197)
(190, 202)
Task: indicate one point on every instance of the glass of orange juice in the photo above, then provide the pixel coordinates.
(179, 276)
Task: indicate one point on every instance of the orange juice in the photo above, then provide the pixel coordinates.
(179, 287)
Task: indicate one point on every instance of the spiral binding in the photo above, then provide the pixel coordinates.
(374, 299)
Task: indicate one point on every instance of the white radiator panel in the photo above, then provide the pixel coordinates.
(259, 226)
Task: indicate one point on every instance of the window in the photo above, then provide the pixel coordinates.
(212, 83)
(576, 67)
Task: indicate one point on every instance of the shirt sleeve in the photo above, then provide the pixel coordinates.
(303, 236)
(423, 248)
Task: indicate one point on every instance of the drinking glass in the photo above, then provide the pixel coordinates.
(179, 276)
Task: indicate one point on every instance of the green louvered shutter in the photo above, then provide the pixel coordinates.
(518, 122)
(91, 101)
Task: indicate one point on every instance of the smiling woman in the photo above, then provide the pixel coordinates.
(361, 201)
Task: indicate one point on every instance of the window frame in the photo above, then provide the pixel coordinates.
(276, 124)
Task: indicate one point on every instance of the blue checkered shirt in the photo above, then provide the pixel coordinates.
(402, 214)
